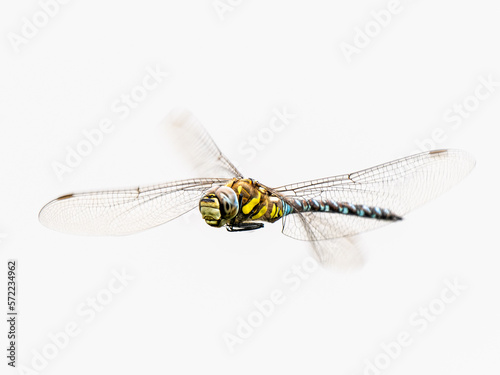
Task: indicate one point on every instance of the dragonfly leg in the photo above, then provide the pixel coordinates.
(241, 227)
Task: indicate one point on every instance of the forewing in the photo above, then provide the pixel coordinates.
(194, 142)
(120, 212)
(400, 186)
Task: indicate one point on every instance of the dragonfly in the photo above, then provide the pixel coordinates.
(320, 211)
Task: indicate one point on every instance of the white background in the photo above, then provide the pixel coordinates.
(192, 282)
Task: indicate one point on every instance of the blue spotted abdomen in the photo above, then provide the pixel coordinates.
(344, 208)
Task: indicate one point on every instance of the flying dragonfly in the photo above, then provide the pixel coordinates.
(321, 211)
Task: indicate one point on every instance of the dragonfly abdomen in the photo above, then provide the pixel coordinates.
(345, 208)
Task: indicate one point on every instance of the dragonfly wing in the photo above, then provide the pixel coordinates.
(400, 186)
(339, 253)
(326, 226)
(120, 212)
(194, 142)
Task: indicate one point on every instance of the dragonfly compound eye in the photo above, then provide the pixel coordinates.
(228, 202)
(219, 206)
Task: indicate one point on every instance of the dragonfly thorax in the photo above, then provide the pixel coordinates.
(219, 205)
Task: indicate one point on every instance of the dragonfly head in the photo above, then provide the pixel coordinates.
(219, 205)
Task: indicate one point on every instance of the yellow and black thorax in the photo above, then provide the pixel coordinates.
(256, 202)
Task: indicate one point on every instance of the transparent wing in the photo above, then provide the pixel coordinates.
(339, 253)
(400, 185)
(327, 226)
(194, 142)
(119, 212)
